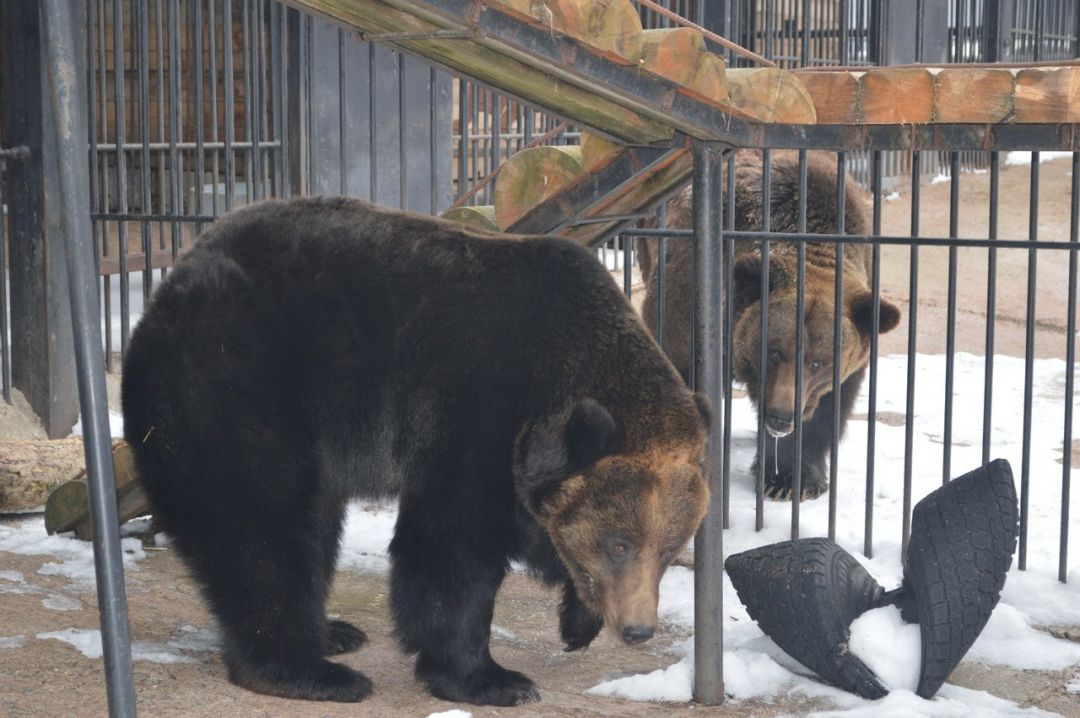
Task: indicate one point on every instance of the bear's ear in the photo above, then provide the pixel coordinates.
(861, 305)
(590, 434)
(549, 452)
(747, 279)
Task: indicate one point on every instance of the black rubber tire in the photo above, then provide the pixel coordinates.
(963, 536)
(804, 595)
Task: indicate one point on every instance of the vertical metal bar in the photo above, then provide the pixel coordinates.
(200, 152)
(142, 22)
(841, 228)
(627, 264)
(403, 168)
(950, 321)
(800, 349)
(729, 324)
(103, 182)
(1029, 362)
(253, 68)
(159, 27)
(343, 119)
(259, 121)
(229, 100)
(121, 169)
(174, 123)
(278, 33)
(433, 133)
(913, 305)
(871, 411)
(763, 348)
(373, 151)
(95, 18)
(844, 21)
(60, 33)
(805, 34)
(991, 308)
(246, 54)
(708, 328)
(463, 136)
(1070, 362)
(920, 12)
(770, 22)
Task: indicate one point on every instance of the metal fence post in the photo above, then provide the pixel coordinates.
(708, 379)
(62, 38)
(41, 364)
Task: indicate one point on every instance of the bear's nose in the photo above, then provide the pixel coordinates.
(779, 424)
(637, 634)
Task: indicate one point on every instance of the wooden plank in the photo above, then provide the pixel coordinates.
(896, 96)
(835, 96)
(1047, 95)
(613, 27)
(770, 95)
(973, 95)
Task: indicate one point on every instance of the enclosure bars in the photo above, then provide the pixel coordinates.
(708, 375)
(61, 33)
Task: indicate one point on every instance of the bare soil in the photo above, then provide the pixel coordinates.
(51, 678)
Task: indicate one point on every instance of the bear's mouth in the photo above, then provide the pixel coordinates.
(778, 430)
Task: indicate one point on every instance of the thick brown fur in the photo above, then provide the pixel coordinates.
(820, 276)
(312, 351)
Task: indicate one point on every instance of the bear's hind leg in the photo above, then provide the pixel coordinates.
(443, 598)
(264, 578)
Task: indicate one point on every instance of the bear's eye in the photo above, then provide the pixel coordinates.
(619, 548)
(670, 552)
(815, 365)
(775, 356)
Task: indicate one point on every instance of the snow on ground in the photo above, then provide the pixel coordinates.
(1024, 158)
(455, 713)
(178, 649)
(754, 667)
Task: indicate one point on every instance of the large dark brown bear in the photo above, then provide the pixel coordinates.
(856, 325)
(307, 352)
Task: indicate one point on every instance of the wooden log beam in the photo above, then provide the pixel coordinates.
(532, 176)
(479, 217)
(951, 95)
(68, 506)
(770, 94)
(680, 55)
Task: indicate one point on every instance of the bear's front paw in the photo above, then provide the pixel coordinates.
(492, 685)
(578, 626)
(780, 486)
(342, 637)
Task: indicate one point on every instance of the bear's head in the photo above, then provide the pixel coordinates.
(856, 325)
(617, 515)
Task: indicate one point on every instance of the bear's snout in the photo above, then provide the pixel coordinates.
(635, 634)
(779, 424)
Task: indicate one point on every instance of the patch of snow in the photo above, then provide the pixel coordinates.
(175, 650)
(1073, 686)
(940, 178)
(892, 196)
(1009, 640)
(60, 602)
(116, 421)
(888, 646)
(12, 641)
(12, 576)
(671, 684)
(365, 540)
(1024, 158)
(455, 713)
(162, 540)
(76, 558)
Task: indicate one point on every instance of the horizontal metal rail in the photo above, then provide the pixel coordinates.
(866, 239)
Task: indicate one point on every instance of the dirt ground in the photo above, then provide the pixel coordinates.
(51, 678)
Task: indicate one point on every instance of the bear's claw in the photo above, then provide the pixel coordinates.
(319, 681)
